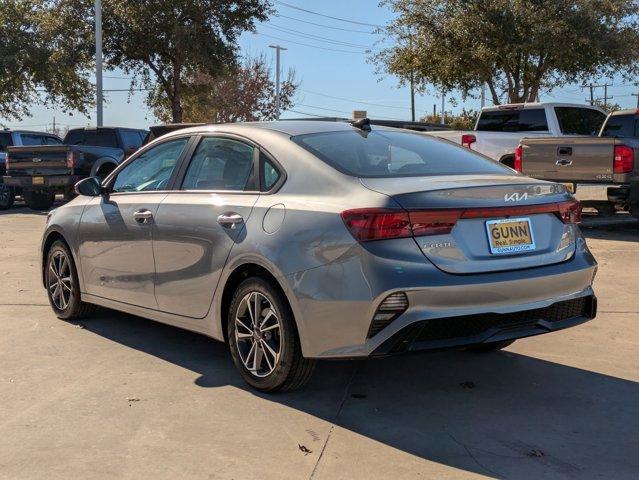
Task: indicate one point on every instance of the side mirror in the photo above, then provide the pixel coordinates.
(89, 187)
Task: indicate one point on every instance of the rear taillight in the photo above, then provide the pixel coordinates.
(72, 158)
(377, 223)
(624, 161)
(467, 140)
(6, 162)
(519, 156)
(367, 224)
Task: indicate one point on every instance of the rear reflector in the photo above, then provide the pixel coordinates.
(367, 224)
(391, 308)
(467, 140)
(624, 161)
(519, 156)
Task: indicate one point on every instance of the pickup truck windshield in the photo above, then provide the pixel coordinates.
(385, 153)
(5, 141)
(621, 126)
(513, 120)
(579, 121)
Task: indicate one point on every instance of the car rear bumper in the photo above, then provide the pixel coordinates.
(50, 181)
(335, 321)
(489, 327)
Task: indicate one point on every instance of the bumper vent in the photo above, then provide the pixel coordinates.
(391, 308)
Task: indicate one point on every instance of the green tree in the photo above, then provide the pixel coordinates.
(516, 47)
(244, 94)
(45, 57)
(163, 43)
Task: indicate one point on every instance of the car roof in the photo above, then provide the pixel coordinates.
(30, 132)
(288, 127)
(629, 111)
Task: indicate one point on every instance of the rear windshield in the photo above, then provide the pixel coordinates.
(33, 139)
(513, 120)
(579, 121)
(97, 138)
(386, 153)
(621, 126)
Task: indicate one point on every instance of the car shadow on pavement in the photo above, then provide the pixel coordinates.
(503, 415)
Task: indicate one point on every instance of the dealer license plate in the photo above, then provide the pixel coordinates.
(37, 180)
(511, 235)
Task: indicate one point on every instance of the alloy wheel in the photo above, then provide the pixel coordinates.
(60, 282)
(258, 334)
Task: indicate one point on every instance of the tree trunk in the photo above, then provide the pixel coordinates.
(176, 98)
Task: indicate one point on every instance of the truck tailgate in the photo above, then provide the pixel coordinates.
(39, 160)
(569, 159)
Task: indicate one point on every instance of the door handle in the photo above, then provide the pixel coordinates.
(143, 216)
(564, 151)
(230, 220)
(564, 162)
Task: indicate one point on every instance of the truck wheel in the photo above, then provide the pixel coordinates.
(39, 200)
(7, 196)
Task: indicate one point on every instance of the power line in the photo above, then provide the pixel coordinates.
(310, 36)
(305, 113)
(323, 108)
(306, 44)
(327, 16)
(355, 101)
(326, 26)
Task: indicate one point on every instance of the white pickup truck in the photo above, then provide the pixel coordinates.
(499, 129)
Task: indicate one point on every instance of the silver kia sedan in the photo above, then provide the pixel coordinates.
(294, 241)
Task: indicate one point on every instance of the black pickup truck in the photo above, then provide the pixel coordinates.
(43, 171)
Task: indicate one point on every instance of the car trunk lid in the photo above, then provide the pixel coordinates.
(474, 207)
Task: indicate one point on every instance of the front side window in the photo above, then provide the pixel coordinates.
(219, 164)
(385, 153)
(152, 170)
(579, 121)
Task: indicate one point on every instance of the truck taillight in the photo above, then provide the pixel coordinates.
(467, 140)
(624, 161)
(72, 158)
(519, 156)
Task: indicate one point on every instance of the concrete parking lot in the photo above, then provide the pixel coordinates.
(121, 397)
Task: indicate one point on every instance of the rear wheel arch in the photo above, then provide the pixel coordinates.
(237, 276)
(51, 238)
(103, 167)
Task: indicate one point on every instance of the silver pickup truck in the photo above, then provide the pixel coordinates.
(610, 159)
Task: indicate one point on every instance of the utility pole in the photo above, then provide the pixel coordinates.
(443, 120)
(483, 95)
(98, 62)
(412, 96)
(636, 95)
(278, 49)
(55, 132)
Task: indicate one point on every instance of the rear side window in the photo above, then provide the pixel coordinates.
(74, 137)
(513, 120)
(5, 141)
(131, 139)
(30, 139)
(270, 173)
(219, 164)
(579, 121)
(386, 153)
(621, 126)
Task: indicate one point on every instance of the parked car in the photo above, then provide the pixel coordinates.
(611, 159)
(295, 241)
(43, 171)
(499, 129)
(10, 138)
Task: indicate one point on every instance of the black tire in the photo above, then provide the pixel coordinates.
(490, 347)
(72, 308)
(39, 200)
(290, 370)
(7, 196)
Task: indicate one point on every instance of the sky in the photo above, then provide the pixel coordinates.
(330, 62)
